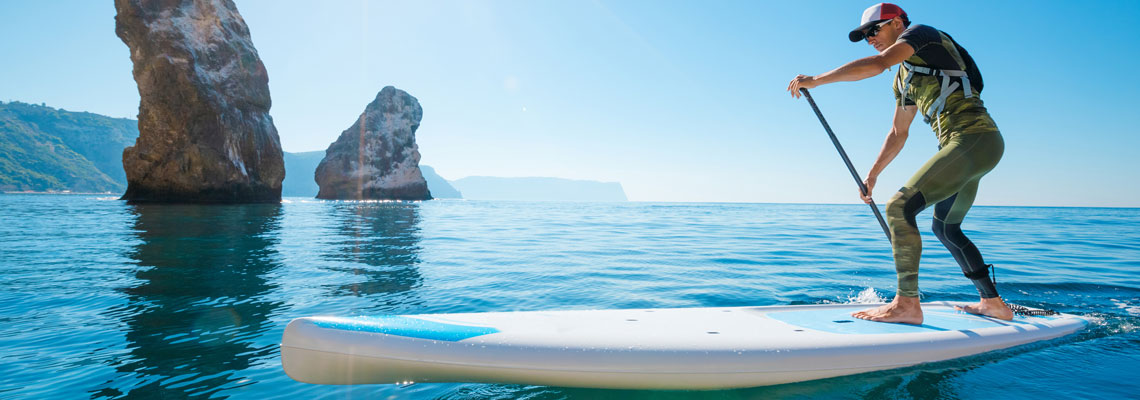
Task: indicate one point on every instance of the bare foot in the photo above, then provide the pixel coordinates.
(903, 310)
(994, 308)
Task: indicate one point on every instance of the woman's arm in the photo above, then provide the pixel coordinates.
(896, 138)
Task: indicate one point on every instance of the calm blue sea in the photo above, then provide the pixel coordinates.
(100, 299)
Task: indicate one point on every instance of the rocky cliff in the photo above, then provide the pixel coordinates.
(377, 157)
(205, 134)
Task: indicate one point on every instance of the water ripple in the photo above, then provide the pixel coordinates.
(106, 300)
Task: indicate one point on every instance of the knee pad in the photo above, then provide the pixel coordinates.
(908, 202)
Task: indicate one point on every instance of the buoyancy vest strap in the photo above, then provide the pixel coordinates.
(961, 75)
(947, 88)
(940, 104)
(906, 82)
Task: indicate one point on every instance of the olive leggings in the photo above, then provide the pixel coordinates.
(950, 181)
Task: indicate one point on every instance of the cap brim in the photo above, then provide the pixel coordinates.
(858, 34)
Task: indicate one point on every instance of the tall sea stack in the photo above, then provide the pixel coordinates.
(377, 157)
(205, 134)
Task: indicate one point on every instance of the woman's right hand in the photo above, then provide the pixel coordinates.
(870, 184)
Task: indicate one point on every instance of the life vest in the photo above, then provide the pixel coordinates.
(951, 79)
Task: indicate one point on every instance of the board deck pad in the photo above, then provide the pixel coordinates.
(935, 319)
(680, 348)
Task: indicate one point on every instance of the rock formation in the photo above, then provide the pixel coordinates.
(205, 134)
(377, 157)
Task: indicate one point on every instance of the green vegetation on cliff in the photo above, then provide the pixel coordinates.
(48, 149)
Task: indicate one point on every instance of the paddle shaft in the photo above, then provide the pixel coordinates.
(846, 160)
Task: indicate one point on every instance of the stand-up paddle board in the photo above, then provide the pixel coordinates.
(686, 348)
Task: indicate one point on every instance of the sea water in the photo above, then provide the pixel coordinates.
(101, 299)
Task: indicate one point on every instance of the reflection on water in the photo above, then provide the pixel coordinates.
(201, 299)
(377, 243)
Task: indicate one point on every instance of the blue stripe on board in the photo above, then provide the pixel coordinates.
(841, 321)
(407, 327)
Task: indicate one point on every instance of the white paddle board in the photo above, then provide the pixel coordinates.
(686, 348)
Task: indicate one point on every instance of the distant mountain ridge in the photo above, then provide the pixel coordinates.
(299, 169)
(538, 189)
(440, 188)
(48, 149)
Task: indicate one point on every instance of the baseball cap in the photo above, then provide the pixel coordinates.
(874, 15)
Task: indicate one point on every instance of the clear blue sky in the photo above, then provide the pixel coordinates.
(677, 100)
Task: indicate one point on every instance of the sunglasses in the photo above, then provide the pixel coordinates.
(875, 29)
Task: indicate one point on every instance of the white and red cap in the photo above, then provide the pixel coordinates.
(874, 15)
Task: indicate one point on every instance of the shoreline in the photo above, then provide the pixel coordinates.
(633, 202)
(55, 192)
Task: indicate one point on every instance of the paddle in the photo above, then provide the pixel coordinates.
(862, 188)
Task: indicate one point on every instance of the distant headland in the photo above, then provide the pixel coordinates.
(56, 151)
